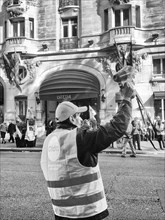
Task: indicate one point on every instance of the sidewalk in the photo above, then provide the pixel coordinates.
(145, 145)
(12, 146)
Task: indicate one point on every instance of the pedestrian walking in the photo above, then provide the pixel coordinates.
(127, 139)
(11, 131)
(160, 130)
(3, 130)
(69, 160)
(136, 133)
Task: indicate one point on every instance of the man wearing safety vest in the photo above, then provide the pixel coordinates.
(69, 160)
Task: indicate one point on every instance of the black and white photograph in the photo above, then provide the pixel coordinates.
(82, 109)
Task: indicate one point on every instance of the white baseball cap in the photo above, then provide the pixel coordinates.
(65, 109)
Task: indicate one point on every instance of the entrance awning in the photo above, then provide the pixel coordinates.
(69, 85)
(159, 95)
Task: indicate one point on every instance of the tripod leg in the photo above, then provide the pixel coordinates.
(141, 107)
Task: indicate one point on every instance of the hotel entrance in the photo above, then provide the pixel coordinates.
(79, 87)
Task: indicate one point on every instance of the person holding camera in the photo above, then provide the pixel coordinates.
(69, 160)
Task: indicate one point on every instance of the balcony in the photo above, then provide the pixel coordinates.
(118, 34)
(159, 77)
(19, 44)
(66, 4)
(125, 34)
(68, 43)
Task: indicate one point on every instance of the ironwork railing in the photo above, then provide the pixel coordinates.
(158, 75)
(18, 43)
(66, 3)
(68, 43)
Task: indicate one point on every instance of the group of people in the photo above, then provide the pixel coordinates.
(135, 134)
(4, 129)
(24, 134)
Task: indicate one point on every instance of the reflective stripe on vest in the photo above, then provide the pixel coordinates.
(76, 191)
(74, 181)
(78, 201)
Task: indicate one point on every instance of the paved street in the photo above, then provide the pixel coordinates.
(134, 187)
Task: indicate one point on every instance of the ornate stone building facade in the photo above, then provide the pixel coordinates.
(58, 50)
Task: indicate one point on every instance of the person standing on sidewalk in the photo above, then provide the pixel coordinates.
(31, 132)
(3, 129)
(136, 133)
(69, 160)
(11, 131)
(160, 128)
(127, 138)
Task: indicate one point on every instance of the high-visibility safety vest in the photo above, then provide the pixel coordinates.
(76, 191)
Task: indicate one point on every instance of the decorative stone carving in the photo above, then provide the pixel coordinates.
(13, 64)
(15, 10)
(106, 65)
(31, 68)
(122, 56)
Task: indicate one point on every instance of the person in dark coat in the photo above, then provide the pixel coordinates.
(11, 131)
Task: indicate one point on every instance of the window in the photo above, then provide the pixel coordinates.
(65, 28)
(122, 17)
(21, 106)
(106, 20)
(159, 66)
(138, 21)
(22, 73)
(69, 27)
(125, 17)
(5, 29)
(14, 2)
(31, 27)
(74, 27)
(18, 28)
(117, 18)
(1, 94)
(159, 106)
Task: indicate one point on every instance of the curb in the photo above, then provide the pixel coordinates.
(23, 149)
(120, 151)
(39, 149)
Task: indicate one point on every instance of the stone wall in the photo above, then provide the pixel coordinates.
(153, 14)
